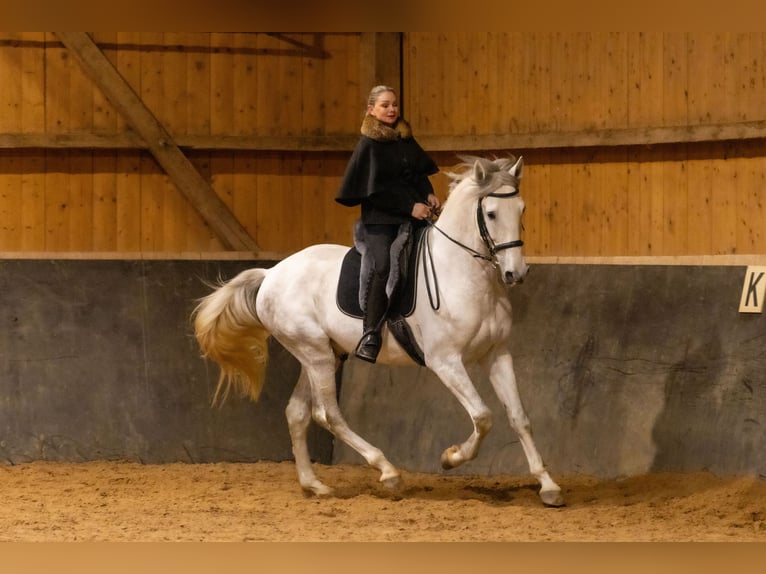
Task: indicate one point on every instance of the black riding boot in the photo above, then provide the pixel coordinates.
(374, 316)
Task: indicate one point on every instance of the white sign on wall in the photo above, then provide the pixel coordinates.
(753, 290)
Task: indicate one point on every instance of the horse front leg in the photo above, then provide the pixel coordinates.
(503, 379)
(455, 377)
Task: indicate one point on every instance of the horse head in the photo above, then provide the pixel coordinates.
(494, 186)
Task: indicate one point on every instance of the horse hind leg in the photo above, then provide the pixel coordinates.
(318, 373)
(298, 414)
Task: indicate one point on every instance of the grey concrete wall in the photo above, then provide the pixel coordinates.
(98, 361)
(623, 370)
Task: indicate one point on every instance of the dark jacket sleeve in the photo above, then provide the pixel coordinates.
(359, 179)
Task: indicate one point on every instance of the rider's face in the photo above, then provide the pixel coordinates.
(386, 108)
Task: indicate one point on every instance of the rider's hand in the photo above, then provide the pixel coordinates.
(421, 211)
(434, 202)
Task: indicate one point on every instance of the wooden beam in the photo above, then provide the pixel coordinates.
(131, 140)
(344, 143)
(599, 138)
(380, 56)
(158, 141)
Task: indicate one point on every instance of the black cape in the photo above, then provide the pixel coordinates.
(398, 166)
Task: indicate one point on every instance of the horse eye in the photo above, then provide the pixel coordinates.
(491, 215)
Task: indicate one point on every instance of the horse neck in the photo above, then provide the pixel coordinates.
(458, 221)
(458, 227)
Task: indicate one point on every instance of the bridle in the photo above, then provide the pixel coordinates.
(492, 247)
(486, 237)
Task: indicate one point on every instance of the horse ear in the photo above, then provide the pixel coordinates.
(479, 171)
(515, 171)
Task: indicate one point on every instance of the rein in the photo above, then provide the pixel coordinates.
(486, 237)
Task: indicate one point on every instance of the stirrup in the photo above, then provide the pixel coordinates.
(369, 347)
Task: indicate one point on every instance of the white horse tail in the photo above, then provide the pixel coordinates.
(228, 332)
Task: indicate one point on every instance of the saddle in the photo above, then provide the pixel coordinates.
(401, 286)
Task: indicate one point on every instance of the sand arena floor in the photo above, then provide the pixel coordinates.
(122, 501)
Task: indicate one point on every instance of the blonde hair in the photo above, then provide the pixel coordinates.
(376, 91)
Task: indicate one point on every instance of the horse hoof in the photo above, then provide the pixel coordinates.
(392, 482)
(552, 498)
(319, 490)
(447, 455)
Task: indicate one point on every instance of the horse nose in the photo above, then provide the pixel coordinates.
(516, 277)
(512, 278)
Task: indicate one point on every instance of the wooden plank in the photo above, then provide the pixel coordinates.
(32, 214)
(11, 200)
(199, 89)
(646, 136)
(128, 197)
(221, 85)
(652, 205)
(11, 102)
(56, 188)
(173, 110)
(159, 142)
(80, 104)
(245, 71)
(502, 67)
(633, 204)
(692, 260)
(561, 206)
(154, 188)
(751, 211)
(222, 120)
(145, 255)
(539, 69)
(380, 61)
(422, 77)
(756, 210)
(104, 162)
(676, 112)
(698, 198)
(723, 206)
(665, 260)
(538, 219)
(280, 88)
(479, 117)
(10, 87)
(754, 78)
(128, 184)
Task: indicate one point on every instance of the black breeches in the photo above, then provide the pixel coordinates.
(379, 238)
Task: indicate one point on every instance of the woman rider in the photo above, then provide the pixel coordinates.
(388, 176)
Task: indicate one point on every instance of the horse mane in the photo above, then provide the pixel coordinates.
(496, 172)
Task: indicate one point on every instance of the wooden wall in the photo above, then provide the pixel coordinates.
(61, 198)
(635, 195)
(632, 140)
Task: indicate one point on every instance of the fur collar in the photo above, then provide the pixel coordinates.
(377, 130)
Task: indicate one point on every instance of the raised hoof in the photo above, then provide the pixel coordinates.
(552, 498)
(447, 463)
